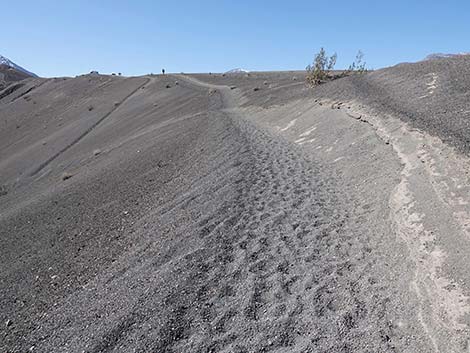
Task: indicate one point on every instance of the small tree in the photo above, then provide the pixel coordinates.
(319, 70)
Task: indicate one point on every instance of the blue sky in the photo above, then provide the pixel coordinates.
(69, 37)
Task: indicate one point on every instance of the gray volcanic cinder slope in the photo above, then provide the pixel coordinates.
(432, 95)
(179, 214)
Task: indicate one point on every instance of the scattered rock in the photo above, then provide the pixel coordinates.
(8, 323)
(256, 89)
(294, 78)
(265, 83)
(66, 176)
(117, 103)
(177, 83)
(90, 108)
(233, 87)
(97, 152)
(168, 86)
(3, 190)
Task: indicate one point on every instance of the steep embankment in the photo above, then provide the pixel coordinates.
(431, 95)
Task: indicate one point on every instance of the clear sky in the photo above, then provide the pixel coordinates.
(70, 37)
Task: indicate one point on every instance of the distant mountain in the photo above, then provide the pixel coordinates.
(443, 55)
(7, 62)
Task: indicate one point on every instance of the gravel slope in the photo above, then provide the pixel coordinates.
(430, 95)
(175, 214)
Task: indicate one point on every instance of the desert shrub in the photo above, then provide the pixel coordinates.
(359, 65)
(320, 70)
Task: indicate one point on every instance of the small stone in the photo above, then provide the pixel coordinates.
(66, 176)
(8, 323)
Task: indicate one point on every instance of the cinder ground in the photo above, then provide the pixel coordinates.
(213, 217)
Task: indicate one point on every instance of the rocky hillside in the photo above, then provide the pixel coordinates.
(11, 72)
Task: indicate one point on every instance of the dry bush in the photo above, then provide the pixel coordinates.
(320, 70)
(359, 65)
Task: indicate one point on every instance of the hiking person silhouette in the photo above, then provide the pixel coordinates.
(163, 71)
